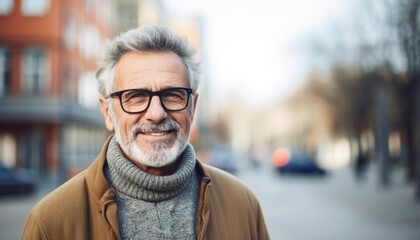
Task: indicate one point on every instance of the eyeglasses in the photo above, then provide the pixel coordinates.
(138, 100)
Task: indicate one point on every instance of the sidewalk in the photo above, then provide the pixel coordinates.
(394, 205)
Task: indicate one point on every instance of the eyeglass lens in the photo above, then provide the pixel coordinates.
(139, 100)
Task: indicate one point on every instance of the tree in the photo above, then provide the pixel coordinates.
(380, 56)
(406, 16)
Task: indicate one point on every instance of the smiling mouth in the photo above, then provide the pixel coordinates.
(157, 134)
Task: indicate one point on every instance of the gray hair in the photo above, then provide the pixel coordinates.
(153, 38)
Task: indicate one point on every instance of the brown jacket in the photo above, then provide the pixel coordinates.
(85, 208)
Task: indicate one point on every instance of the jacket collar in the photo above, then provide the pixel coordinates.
(100, 191)
(96, 181)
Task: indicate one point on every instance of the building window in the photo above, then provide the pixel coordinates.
(6, 7)
(70, 33)
(88, 94)
(7, 149)
(35, 7)
(34, 70)
(4, 70)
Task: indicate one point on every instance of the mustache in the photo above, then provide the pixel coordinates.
(165, 125)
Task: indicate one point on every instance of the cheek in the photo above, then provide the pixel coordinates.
(185, 122)
(125, 126)
(129, 127)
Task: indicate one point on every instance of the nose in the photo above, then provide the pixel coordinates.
(155, 113)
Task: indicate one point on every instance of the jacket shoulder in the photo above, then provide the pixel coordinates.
(63, 195)
(50, 213)
(231, 203)
(226, 184)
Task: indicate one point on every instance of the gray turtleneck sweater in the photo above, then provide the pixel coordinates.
(154, 207)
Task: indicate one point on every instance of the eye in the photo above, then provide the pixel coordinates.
(174, 95)
(135, 96)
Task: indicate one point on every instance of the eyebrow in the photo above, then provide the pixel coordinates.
(150, 90)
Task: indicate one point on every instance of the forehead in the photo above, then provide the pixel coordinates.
(151, 70)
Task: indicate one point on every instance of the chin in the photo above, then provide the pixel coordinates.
(158, 155)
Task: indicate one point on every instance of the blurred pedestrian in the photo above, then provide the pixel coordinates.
(146, 182)
(361, 166)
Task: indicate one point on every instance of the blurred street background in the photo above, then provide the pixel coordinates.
(314, 105)
(299, 208)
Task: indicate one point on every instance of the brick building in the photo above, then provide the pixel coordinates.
(49, 115)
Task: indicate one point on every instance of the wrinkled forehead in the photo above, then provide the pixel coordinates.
(150, 70)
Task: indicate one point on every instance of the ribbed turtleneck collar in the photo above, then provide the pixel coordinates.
(128, 179)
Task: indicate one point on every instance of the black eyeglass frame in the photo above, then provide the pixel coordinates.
(151, 95)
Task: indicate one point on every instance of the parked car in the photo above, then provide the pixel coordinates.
(15, 182)
(296, 162)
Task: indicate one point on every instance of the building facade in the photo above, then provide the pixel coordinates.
(49, 114)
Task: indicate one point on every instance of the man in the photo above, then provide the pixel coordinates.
(146, 182)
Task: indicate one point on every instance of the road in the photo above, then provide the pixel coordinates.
(300, 208)
(334, 207)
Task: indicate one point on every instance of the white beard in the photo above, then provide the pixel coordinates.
(161, 154)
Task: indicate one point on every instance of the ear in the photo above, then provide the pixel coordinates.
(105, 113)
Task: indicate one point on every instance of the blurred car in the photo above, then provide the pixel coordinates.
(15, 182)
(296, 162)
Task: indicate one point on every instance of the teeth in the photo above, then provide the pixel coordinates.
(156, 133)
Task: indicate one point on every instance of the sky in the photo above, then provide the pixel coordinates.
(252, 48)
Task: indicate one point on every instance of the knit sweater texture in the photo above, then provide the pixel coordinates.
(154, 207)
